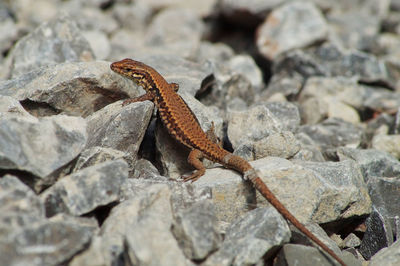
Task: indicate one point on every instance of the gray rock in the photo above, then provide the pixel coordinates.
(12, 106)
(119, 127)
(99, 43)
(44, 243)
(282, 83)
(384, 192)
(333, 132)
(246, 66)
(349, 197)
(331, 61)
(132, 16)
(146, 170)
(19, 205)
(247, 13)
(377, 236)
(387, 256)
(161, 35)
(231, 196)
(58, 140)
(97, 155)
(283, 144)
(71, 88)
(196, 230)
(89, 18)
(290, 26)
(287, 113)
(149, 241)
(201, 8)
(351, 241)
(251, 125)
(53, 42)
(309, 150)
(250, 238)
(8, 30)
(96, 254)
(83, 191)
(354, 25)
(387, 143)
(292, 255)
(373, 163)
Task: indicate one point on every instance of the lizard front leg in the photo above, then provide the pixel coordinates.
(141, 98)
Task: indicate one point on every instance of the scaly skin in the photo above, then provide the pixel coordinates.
(182, 124)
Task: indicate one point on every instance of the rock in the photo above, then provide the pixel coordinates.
(162, 32)
(384, 192)
(373, 163)
(132, 16)
(283, 144)
(99, 43)
(12, 106)
(44, 243)
(245, 13)
(246, 66)
(333, 132)
(58, 140)
(71, 88)
(331, 61)
(387, 256)
(119, 127)
(356, 24)
(292, 254)
(8, 30)
(351, 241)
(251, 125)
(201, 8)
(196, 229)
(83, 191)
(252, 238)
(19, 205)
(387, 143)
(97, 155)
(53, 42)
(377, 236)
(290, 26)
(287, 113)
(349, 197)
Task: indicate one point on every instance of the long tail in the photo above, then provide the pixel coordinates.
(264, 190)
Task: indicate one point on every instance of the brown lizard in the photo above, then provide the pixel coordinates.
(182, 124)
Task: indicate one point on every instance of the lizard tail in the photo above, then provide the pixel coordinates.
(264, 190)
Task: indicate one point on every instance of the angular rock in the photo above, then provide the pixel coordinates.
(250, 238)
(44, 243)
(19, 206)
(99, 43)
(387, 256)
(287, 113)
(246, 66)
(290, 26)
(351, 241)
(84, 191)
(58, 140)
(331, 61)
(251, 125)
(334, 132)
(387, 143)
(71, 88)
(12, 106)
(283, 144)
(384, 192)
(373, 163)
(53, 42)
(97, 155)
(292, 255)
(119, 127)
(378, 235)
(349, 196)
(356, 24)
(245, 13)
(196, 230)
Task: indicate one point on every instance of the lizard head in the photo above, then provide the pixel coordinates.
(135, 70)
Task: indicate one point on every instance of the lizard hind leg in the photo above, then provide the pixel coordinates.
(194, 159)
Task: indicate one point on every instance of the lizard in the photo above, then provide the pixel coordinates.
(182, 124)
